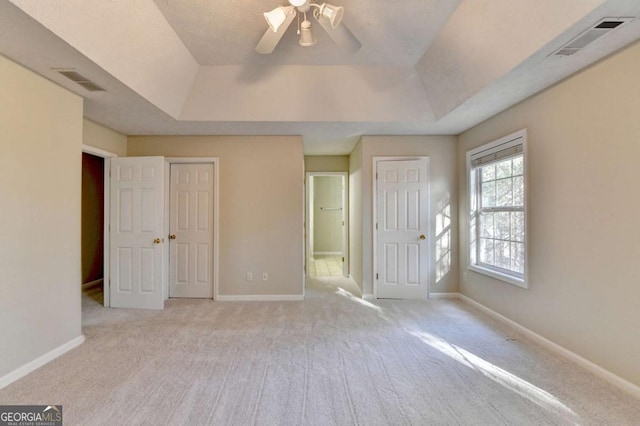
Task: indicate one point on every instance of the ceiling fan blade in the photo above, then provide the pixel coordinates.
(341, 35)
(270, 40)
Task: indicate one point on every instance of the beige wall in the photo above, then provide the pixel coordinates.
(261, 206)
(441, 151)
(101, 137)
(355, 214)
(584, 233)
(326, 163)
(327, 224)
(41, 141)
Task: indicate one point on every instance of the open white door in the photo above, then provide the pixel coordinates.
(402, 225)
(137, 222)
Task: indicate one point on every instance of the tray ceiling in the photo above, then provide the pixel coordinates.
(188, 67)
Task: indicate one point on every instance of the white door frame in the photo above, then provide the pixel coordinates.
(374, 207)
(106, 156)
(216, 206)
(345, 214)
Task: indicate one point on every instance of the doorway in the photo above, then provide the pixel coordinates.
(326, 207)
(92, 246)
(95, 223)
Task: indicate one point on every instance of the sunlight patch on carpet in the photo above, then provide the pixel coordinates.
(344, 293)
(502, 377)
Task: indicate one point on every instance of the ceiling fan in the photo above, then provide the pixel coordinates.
(327, 15)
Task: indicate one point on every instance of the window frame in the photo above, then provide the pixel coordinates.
(511, 140)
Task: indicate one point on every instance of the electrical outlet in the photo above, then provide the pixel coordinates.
(265, 276)
(249, 276)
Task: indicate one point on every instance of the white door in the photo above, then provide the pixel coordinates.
(137, 220)
(402, 224)
(191, 231)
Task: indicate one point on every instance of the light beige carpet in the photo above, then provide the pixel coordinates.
(332, 359)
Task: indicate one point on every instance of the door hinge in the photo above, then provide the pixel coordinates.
(376, 226)
(343, 260)
(376, 276)
(376, 175)
(343, 223)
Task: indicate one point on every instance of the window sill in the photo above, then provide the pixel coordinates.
(522, 283)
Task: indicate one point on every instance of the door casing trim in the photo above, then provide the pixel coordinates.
(307, 222)
(106, 156)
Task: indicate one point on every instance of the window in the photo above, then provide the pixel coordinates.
(497, 201)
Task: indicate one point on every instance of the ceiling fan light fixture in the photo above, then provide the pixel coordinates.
(306, 36)
(276, 17)
(333, 13)
(329, 17)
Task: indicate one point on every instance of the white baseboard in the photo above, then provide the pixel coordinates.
(261, 298)
(368, 296)
(607, 375)
(444, 295)
(328, 253)
(20, 372)
(92, 283)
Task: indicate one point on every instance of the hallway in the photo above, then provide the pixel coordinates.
(325, 266)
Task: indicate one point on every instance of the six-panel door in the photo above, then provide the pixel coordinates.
(191, 231)
(402, 229)
(136, 232)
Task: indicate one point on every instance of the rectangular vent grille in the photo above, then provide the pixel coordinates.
(601, 28)
(610, 24)
(78, 78)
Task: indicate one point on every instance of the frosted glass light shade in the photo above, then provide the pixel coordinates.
(275, 18)
(333, 13)
(298, 3)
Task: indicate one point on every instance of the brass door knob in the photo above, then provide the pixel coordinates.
(422, 237)
(172, 236)
(156, 241)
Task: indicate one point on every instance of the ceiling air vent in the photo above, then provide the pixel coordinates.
(598, 30)
(78, 78)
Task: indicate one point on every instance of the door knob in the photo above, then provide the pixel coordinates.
(422, 237)
(172, 236)
(156, 241)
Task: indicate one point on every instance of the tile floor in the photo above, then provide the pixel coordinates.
(325, 266)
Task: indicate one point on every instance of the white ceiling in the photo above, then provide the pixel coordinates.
(397, 33)
(187, 67)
